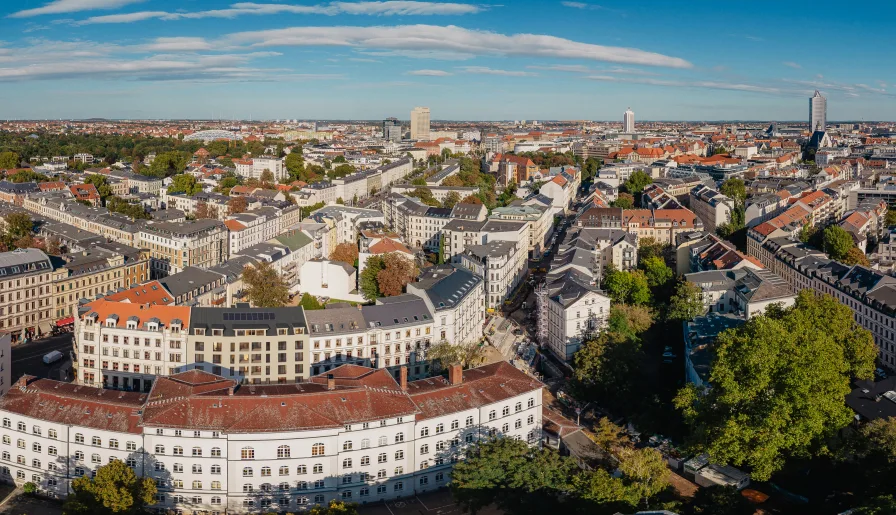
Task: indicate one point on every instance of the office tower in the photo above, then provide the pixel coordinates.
(420, 124)
(818, 112)
(392, 130)
(628, 121)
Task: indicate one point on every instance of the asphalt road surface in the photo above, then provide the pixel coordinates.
(28, 358)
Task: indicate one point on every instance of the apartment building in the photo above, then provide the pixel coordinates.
(575, 309)
(126, 346)
(254, 167)
(538, 220)
(456, 298)
(713, 208)
(97, 271)
(439, 193)
(744, 292)
(216, 204)
(26, 294)
(592, 249)
(253, 227)
(664, 225)
(400, 331)
(215, 446)
(502, 264)
(177, 245)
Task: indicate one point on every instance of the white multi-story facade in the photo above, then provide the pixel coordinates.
(574, 309)
(628, 121)
(420, 124)
(712, 207)
(252, 228)
(503, 265)
(818, 112)
(456, 298)
(177, 245)
(355, 434)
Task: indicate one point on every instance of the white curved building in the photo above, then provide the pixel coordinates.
(212, 135)
(214, 447)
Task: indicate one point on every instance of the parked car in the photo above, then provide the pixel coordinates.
(52, 357)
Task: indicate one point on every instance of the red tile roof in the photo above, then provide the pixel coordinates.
(123, 310)
(387, 245)
(151, 293)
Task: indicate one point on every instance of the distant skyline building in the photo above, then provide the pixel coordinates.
(818, 112)
(392, 130)
(420, 124)
(628, 121)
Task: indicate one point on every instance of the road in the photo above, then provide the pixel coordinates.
(28, 358)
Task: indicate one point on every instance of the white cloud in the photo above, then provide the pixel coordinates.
(690, 84)
(575, 5)
(484, 70)
(792, 64)
(452, 39)
(71, 6)
(390, 8)
(430, 73)
(573, 68)
(178, 44)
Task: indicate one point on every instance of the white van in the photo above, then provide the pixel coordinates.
(52, 357)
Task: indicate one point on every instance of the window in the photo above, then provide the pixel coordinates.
(178, 467)
(301, 469)
(216, 469)
(35, 464)
(318, 468)
(364, 492)
(160, 449)
(20, 443)
(266, 471)
(247, 472)
(504, 428)
(113, 444)
(381, 489)
(531, 402)
(197, 451)
(399, 455)
(52, 434)
(399, 486)
(347, 463)
(492, 415)
(79, 456)
(283, 451)
(216, 501)
(365, 443)
(131, 446)
(381, 458)
(178, 450)
(424, 431)
(318, 498)
(530, 420)
(319, 483)
(365, 460)
(7, 440)
(346, 479)
(197, 468)
(384, 440)
(35, 447)
(131, 462)
(424, 480)
(424, 449)
(399, 471)
(519, 406)
(216, 452)
(96, 458)
(6, 423)
(96, 440)
(347, 445)
(284, 471)
(399, 437)
(159, 466)
(247, 488)
(79, 438)
(197, 485)
(21, 426)
(469, 421)
(440, 428)
(35, 430)
(247, 453)
(317, 449)
(52, 451)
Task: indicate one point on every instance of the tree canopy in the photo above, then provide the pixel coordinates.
(184, 183)
(837, 242)
(686, 303)
(637, 181)
(264, 286)
(8, 160)
(624, 200)
(101, 183)
(115, 489)
(658, 274)
(627, 287)
(367, 282)
(346, 252)
(778, 385)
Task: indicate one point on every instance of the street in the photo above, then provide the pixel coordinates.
(28, 358)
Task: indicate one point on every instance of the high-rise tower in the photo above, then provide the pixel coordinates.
(628, 121)
(420, 124)
(818, 112)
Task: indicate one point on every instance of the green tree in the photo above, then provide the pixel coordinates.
(624, 200)
(890, 219)
(184, 183)
(115, 489)
(590, 169)
(9, 160)
(719, 500)
(467, 355)
(267, 179)
(735, 189)
(368, 283)
(646, 471)
(451, 199)
(341, 171)
(29, 488)
(656, 271)
(295, 166)
(651, 247)
(397, 272)
(264, 286)
(101, 183)
(18, 225)
(880, 505)
(779, 384)
(808, 232)
(309, 302)
(167, 164)
(837, 242)
(855, 256)
(686, 303)
(335, 508)
(627, 286)
(637, 181)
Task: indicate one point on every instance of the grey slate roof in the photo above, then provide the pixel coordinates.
(445, 285)
(397, 311)
(230, 319)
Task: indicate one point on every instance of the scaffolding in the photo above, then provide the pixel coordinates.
(542, 312)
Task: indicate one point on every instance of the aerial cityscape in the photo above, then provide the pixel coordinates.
(437, 258)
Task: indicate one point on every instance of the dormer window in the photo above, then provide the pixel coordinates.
(199, 331)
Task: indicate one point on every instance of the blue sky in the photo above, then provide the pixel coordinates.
(513, 60)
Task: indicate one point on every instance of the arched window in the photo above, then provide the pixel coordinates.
(347, 463)
(302, 469)
(365, 443)
(197, 451)
(216, 452)
(113, 444)
(247, 453)
(318, 468)
(178, 450)
(216, 500)
(247, 471)
(265, 471)
(283, 451)
(399, 437)
(317, 449)
(347, 445)
(247, 487)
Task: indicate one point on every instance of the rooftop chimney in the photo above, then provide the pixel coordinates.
(331, 382)
(403, 378)
(455, 374)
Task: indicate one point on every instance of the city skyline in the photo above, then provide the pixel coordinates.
(369, 60)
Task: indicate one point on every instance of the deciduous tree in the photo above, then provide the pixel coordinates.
(686, 303)
(637, 181)
(778, 385)
(8, 160)
(735, 189)
(335, 508)
(309, 302)
(465, 354)
(264, 286)
(624, 200)
(115, 489)
(346, 252)
(837, 242)
(237, 205)
(451, 199)
(368, 283)
(719, 500)
(656, 271)
(397, 272)
(184, 183)
(855, 256)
